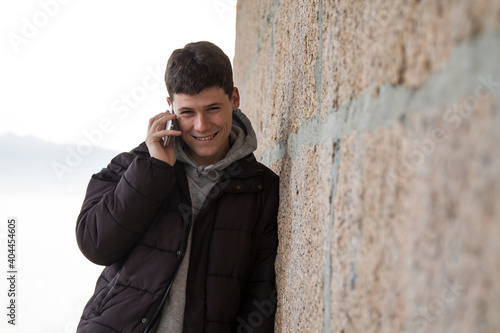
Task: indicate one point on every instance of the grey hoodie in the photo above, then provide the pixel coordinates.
(201, 179)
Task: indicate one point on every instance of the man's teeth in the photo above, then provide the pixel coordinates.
(205, 138)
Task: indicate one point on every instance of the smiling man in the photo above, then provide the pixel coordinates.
(206, 128)
(187, 231)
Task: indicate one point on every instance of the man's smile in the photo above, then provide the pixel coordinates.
(205, 138)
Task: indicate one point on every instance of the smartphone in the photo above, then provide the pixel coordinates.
(169, 126)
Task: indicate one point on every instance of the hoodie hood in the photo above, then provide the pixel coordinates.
(242, 140)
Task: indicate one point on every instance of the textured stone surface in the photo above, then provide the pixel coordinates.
(379, 119)
(397, 245)
(286, 40)
(303, 237)
(295, 57)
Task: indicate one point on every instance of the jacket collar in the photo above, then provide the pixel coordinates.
(242, 168)
(236, 177)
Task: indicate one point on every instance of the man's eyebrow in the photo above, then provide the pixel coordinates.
(213, 104)
(186, 108)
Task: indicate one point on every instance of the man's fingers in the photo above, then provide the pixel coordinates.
(163, 133)
(156, 132)
(158, 135)
(153, 119)
(160, 117)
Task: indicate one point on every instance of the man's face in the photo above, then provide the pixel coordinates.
(205, 121)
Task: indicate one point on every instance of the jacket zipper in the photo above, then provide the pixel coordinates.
(171, 282)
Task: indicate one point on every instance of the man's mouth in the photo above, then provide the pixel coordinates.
(205, 138)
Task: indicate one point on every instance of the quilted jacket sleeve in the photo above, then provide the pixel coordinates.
(119, 205)
(260, 296)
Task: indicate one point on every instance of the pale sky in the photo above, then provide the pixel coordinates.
(93, 70)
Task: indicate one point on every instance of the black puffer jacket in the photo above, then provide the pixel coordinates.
(136, 219)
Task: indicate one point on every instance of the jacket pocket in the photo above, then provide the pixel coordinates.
(105, 292)
(102, 286)
(113, 290)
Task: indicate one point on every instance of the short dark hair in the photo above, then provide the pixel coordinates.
(196, 67)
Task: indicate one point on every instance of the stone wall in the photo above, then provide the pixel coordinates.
(382, 120)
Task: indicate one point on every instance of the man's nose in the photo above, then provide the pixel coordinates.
(202, 123)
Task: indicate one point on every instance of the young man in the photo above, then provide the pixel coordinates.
(187, 232)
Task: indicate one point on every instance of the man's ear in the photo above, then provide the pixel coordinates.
(169, 101)
(235, 98)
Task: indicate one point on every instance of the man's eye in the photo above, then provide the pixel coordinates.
(186, 113)
(213, 108)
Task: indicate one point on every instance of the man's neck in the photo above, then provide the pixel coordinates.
(206, 161)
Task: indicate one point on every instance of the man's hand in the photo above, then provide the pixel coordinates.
(156, 131)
